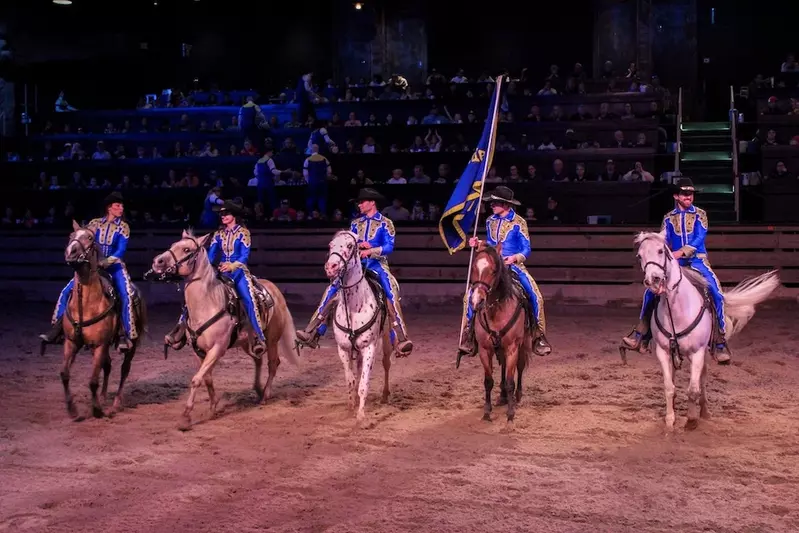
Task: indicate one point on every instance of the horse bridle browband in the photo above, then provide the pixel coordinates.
(481, 283)
(84, 250)
(347, 262)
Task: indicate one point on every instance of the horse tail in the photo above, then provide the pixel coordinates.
(288, 340)
(740, 301)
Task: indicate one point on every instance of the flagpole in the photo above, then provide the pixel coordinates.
(491, 141)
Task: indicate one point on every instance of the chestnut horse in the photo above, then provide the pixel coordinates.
(501, 326)
(92, 320)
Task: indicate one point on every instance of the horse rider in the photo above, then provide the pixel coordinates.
(111, 234)
(507, 227)
(686, 228)
(231, 243)
(375, 241)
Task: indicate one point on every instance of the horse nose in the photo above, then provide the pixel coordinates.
(159, 260)
(656, 280)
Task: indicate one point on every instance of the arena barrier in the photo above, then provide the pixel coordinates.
(573, 264)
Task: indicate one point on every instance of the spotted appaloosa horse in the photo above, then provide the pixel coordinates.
(361, 329)
(213, 327)
(92, 319)
(501, 327)
(682, 324)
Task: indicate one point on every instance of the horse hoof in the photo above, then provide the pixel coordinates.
(487, 417)
(97, 412)
(185, 425)
(384, 399)
(691, 424)
(623, 354)
(509, 427)
(78, 418)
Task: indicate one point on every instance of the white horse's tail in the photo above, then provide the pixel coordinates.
(740, 301)
(288, 340)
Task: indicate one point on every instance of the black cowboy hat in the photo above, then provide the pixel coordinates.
(113, 198)
(501, 194)
(231, 208)
(369, 194)
(684, 185)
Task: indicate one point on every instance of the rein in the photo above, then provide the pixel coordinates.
(482, 313)
(673, 335)
(352, 334)
(85, 259)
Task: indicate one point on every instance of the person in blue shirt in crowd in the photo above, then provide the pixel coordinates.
(321, 139)
(316, 169)
(111, 235)
(686, 229)
(231, 247)
(304, 97)
(376, 241)
(509, 228)
(250, 118)
(266, 172)
(212, 200)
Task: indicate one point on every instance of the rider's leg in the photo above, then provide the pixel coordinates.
(702, 265)
(633, 340)
(468, 343)
(404, 345)
(176, 338)
(542, 346)
(124, 289)
(245, 290)
(318, 324)
(60, 307)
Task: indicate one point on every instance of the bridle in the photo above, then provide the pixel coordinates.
(170, 273)
(347, 262)
(494, 273)
(84, 256)
(665, 269)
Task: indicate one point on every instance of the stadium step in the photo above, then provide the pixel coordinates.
(706, 158)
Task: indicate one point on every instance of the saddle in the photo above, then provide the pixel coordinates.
(263, 301)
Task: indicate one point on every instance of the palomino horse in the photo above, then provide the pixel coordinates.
(92, 320)
(501, 327)
(212, 324)
(361, 329)
(682, 325)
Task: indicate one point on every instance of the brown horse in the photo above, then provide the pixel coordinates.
(214, 328)
(92, 320)
(501, 327)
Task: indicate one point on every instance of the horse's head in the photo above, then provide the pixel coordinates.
(343, 255)
(487, 272)
(80, 250)
(655, 259)
(180, 259)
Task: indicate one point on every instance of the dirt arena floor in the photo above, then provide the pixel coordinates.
(588, 452)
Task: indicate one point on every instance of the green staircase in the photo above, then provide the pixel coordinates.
(706, 158)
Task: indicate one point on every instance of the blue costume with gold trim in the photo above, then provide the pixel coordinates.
(232, 246)
(686, 231)
(377, 230)
(511, 231)
(111, 235)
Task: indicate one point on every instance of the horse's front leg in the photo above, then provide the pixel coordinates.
(695, 388)
(70, 350)
(704, 411)
(668, 383)
(488, 382)
(345, 354)
(368, 354)
(123, 376)
(206, 365)
(503, 390)
(99, 355)
(509, 377)
(106, 375)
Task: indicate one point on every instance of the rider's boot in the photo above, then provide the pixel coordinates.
(723, 354)
(468, 345)
(541, 345)
(176, 339)
(124, 344)
(55, 333)
(258, 346)
(309, 336)
(404, 345)
(635, 340)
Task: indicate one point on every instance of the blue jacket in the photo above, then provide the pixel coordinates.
(231, 246)
(112, 236)
(686, 230)
(377, 231)
(511, 231)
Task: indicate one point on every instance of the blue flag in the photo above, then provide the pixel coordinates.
(462, 209)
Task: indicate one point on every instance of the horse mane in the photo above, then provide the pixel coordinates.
(646, 235)
(504, 288)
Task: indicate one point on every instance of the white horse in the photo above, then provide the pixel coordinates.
(211, 325)
(682, 324)
(361, 329)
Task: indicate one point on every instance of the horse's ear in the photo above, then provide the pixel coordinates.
(185, 235)
(202, 241)
(75, 225)
(663, 234)
(498, 248)
(481, 246)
